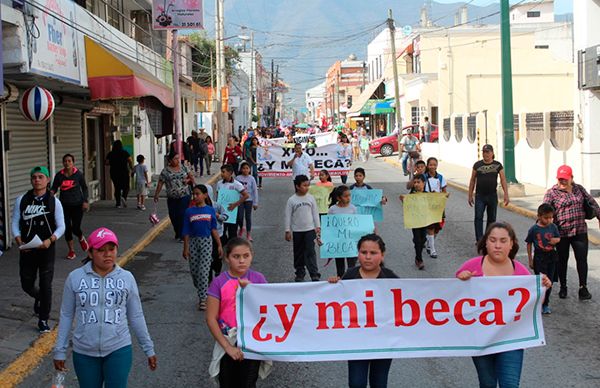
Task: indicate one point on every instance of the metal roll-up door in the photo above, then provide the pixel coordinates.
(68, 135)
(28, 147)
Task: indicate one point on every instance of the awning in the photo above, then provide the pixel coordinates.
(112, 76)
(358, 105)
(382, 107)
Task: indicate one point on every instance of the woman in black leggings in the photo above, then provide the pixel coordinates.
(120, 164)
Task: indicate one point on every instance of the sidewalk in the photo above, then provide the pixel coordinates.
(458, 178)
(17, 320)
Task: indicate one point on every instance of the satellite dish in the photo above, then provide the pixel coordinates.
(407, 30)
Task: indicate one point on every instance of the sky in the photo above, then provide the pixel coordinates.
(560, 6)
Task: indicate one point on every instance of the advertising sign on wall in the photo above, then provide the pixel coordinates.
(177, 14)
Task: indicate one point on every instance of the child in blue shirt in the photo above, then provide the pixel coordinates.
(543, 237)
(199, 230)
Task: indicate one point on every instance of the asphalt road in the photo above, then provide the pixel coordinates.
(184, 345)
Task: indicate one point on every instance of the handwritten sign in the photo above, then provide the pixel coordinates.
(272, 160)
(395, 318)
(340, 234)
(423, 209)
(321, 194)
(225, 198)
(368, 202)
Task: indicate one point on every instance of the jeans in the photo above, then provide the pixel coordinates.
(579, 243)
(238, 374)
(545, 262)
(208, 160)
(112, 370)
(503, 369)
(245, 211)
(419, 238)
(304, 254)
(405, 162)
(483, 202)
(32, 262)
(344, 179)
(376, 370)
(73, 215)
(177, 208)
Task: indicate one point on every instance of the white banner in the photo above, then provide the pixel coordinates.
(333, 157)
(321, 139)
(389, 318)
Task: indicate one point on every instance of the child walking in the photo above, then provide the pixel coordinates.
(245, 209)
(229, 183)
(419, 234)
(340, 204)
(303, 225)
(371, 253)
(103, 299)
(231, 369)
(217, 262)
(140, 171)
(434, 183)
(324, 179)
(199, 230)
(543, 237)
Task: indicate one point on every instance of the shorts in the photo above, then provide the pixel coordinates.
(141, 189)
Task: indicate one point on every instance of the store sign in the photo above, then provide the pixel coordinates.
(177, 14)
(59, 51)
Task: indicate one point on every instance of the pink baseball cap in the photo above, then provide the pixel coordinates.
(102, 236)
(564, 172)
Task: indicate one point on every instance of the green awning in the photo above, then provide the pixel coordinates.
(381, 107)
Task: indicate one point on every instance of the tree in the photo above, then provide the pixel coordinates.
(202, 68)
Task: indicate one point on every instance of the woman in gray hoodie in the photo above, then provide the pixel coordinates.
(103, 300)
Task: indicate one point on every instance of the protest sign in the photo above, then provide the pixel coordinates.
(321, 194)
(423, 209)
(225, 198)
(368, 202)
(321, 139)
(333, 157)
(340, 234)
(389, 318)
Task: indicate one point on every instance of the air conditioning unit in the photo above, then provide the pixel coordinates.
(589, 68)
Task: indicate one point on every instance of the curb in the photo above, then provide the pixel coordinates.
(511, 207)
(23, 365)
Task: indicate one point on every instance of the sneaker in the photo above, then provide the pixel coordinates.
(546, 310)
(124, 202)
(84, 244)
(433, 255)
(119, 207)
(43, 326)
(419, 264)
(249, 237)
(315, 278)
(584, 294)
(71, 255)
(36, 306)
(241, 232)
(562, 294)
(142, 207)
(299, 279)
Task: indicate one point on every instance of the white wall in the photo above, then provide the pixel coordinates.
(518, 14)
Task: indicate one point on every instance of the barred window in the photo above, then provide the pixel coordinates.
(561, 129)
(447, 129)
(458, 128)
(472, 127)
(534, 123)
(516, 128)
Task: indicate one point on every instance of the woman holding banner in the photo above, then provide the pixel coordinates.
(498, 249)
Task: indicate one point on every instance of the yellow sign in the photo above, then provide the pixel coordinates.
(423, 209)
(321, 194)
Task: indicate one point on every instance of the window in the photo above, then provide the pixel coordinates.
(534, 124)
(561, 129)
(533, 14)
(113, 13)
(472, 128)
(447, 129)
(458, 128)
(414, 114)
(516, 128)
(542, 46)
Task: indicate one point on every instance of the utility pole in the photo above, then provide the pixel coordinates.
(272, 92)
(177, 94)
(251, 82)
(392, 28)
(220, 76)
(275, 94)
(337, 92)
(507, 95)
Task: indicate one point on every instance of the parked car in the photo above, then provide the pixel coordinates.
(387, 145)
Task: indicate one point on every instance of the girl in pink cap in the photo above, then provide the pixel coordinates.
(103, 300)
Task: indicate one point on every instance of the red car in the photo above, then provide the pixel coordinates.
(387, 145)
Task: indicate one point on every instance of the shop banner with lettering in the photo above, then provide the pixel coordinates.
(177, 14)
(389, 318)
(321, 194)
(225, 198)
(340, 234)
(423, 209)
(368, 202)
(333, 157)
(321, 139)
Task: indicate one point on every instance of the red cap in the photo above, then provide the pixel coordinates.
(102, 236)
(564, 172)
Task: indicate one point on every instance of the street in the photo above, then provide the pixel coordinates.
(184, 345)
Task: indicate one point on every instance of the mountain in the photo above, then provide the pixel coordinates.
(304, 37)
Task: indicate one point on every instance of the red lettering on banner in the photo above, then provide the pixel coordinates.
(525, 295)
(415, 311)
(286, 322)
(493, 316)
(458, 311)
(256, 331)
(369, 309)
(337, 315)
(431, 310)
